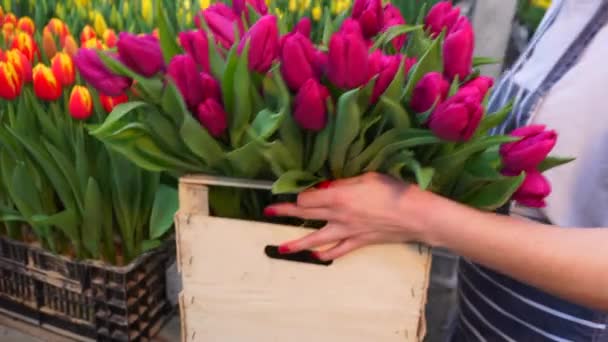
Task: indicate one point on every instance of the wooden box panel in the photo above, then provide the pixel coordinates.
(233, 292)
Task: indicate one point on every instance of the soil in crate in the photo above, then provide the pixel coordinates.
(84, 300)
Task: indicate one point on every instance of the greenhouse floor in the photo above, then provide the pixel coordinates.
(16, 331)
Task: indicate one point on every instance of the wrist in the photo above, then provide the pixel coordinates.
(422, 213)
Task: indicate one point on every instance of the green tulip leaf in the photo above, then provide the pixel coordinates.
(454, 87)
(395, 31)
(322, 142)
(395, 113)
(227, 81)
(117, 115)
(265, 124)
(495, 194)
(491, 121)
(426, 138)
(327, 29)
(480, 61)
(292, 138)
(431, 61)
(149, 245)
(243, 101)
(200, 142)
(395, 88)
(279, 158)
(69, 173)
(348, 126)
(92, 219)
(216, 61)
(423, 175)
(165, 206)
(294, 181)
(460, 156)
(67, 221)
(167, 34)
(247, 161)
(359, 144)
(553, 162)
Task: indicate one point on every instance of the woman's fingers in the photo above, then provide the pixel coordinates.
(292, 210)
(329, 235)
(342, 248)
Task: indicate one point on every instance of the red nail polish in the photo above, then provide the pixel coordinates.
(270, 212)
(316, 255)
(283, 249)
(324, 185)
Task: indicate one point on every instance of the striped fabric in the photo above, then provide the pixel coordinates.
(494, 307)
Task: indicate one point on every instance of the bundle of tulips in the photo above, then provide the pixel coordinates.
(372, 94)
(58, 185)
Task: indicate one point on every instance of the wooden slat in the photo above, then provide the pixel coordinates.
(227, 182)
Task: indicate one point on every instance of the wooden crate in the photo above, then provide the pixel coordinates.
(232, 291)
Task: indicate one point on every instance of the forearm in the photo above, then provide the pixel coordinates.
(570, 263)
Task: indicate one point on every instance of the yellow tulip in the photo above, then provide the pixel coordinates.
(204, 4)
(293, 6)
(99, 24)
(83, 3)
(317, 13)
(60, 11)
(125, 9)
(146, 11)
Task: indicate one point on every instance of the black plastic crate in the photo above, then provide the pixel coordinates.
(86, 300)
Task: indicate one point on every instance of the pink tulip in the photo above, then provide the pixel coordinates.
(141, 54)
(386, 68)
(210, 87)
(351, 26)
(431, 89)
(263, 38)
(298, 60)
(310, 110)
(482, 83)
(442, 16)
(533, 191)
(393, 17)
(304, 26)
(212, 116)
(196, 45)
(222, 22)
(348, 65)
(183, 71)
(458, 117)
(241, 6)
(370, 15)
(458, 50)
(526, 154)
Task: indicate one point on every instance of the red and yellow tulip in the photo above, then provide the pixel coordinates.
(10, 82)
(49, 47)
(10, 18)
(26, 44)
(46, 85)
(8, 31)
(94, 43)
(87, 34)
(63, 69)
(81, 103)
(110, 38)
(70, 47)
(109, 102)
(22, 65)
(58, 28)
(26, 24)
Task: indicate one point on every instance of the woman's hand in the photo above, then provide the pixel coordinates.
(361, 211)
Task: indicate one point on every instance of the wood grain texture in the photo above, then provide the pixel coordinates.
(233, 292)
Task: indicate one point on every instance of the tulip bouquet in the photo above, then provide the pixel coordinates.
(371, 94)
(60, 186)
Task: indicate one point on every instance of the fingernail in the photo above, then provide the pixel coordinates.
(283, 249)
(316, 255)
(270, 212)
(324, 185)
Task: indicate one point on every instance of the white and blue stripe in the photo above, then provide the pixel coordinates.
(494, 307)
